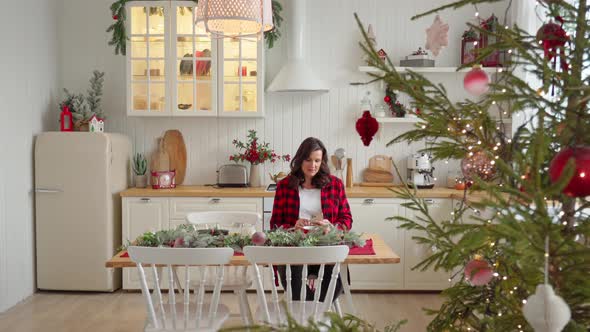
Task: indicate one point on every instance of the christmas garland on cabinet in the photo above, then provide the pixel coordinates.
(119, 38)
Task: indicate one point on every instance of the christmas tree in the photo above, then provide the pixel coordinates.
(530, 233)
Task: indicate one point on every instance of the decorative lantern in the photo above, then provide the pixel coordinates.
(163, 180)
(469, 42)
(491, 25)
(235, 18)
(66, 121)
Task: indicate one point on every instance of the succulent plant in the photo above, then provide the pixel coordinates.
(139, 164)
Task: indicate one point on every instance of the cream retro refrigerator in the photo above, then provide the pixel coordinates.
(78, 176)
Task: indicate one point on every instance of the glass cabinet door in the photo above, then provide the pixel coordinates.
(194, 64)
(146, 60)
(242, 77)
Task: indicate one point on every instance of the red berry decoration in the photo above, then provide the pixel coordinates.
(478, 272)
(115, 17)
(367, 127)
(553, 38)
(579, 185)
(476, 81)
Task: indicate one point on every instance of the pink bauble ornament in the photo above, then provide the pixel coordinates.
(476, 81)
(478, 165)
(478, 272)
(579, 184)
(259, 238)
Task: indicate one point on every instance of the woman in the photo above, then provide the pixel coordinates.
(310, 196)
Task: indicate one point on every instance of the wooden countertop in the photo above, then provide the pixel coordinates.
(383, 255)
(354, 192)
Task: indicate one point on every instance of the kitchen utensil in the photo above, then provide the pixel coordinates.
(340, 155)
(349, 173)
(232, 175)
(176, 149)
(420, 171)
(334, 160)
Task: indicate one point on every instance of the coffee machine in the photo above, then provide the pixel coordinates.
(420, 171)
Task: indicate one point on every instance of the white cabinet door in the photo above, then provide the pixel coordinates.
(414, 253)
(369, 216)
(141, 214)
(181, 206)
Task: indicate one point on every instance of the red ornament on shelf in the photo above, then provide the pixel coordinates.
(367, 127)
(579, 185)
(478, 272)
(476, 81)
(65, 119)
(115, 17)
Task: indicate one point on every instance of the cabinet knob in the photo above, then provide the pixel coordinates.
(369, 201)
(145, 200)
(215, 200)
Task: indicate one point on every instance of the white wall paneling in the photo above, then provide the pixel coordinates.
(331, 48)
(28, 95)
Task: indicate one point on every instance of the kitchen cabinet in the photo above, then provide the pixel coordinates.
(414, 253)
(141, 214)
(369, 216)
(177, 69)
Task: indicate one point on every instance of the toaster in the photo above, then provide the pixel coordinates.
(232, 175)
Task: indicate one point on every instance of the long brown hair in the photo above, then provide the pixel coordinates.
(297, 177)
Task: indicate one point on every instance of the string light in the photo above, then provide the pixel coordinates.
(524, 301)
(476, 14)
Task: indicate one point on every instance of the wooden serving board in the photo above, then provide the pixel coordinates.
(381, 162)
(173, 143)
(376, 184)
(160, 160)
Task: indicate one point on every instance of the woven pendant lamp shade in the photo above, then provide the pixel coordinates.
(234, 18)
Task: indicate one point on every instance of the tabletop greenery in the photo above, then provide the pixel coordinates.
(119, 37)
(189, 236)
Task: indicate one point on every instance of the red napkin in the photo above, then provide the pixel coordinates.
(125, 254)
(367, 249)
(238, 253)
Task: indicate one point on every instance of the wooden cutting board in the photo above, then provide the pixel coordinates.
(160, 160)
(173, 144)
(377, 175)
(381, 162)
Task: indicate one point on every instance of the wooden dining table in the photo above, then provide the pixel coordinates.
(383, 255)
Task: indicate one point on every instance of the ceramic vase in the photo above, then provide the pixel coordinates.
(255, 175)
(140, 181)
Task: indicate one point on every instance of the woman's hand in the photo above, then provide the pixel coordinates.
(325, 224)
(300, 223)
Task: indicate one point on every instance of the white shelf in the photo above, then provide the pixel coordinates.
(370, 69)
(398, 120)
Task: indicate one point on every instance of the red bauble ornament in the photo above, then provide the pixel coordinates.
(367, 127)
(387, 99)
(476, 81)
(478, 272)
(115, 17)
(478, 165)
(579, 185)
(553, 37)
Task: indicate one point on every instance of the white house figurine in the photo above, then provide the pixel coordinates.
(96, 124)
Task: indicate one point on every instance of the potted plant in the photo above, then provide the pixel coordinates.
(139, 168)
(255, 154)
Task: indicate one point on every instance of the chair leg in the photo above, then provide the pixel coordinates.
(337, 307)
(245, 311)
(177, 280)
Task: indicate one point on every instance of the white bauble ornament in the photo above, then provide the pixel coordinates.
(476, 81)
(545, 311)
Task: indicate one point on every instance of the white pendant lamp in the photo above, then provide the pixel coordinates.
(234, 18)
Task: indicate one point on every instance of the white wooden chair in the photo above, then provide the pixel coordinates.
(237, 279)
(187, 315)
(300, 310)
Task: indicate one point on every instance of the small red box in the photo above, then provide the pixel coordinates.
(164, 180)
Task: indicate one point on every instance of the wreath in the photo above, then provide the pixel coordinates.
(119, 38)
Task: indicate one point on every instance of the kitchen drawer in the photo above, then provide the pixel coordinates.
(181, 206)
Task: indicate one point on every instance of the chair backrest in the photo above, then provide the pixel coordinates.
(288, 256)
(225, 218)
(168, 257)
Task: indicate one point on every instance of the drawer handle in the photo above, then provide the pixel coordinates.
(146, 200)
(429, 201)
(369, 201)
(215, 200)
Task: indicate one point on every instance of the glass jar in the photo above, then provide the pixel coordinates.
(366, 103)
(380, 111)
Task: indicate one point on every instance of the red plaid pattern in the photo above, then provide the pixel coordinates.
(335, 208)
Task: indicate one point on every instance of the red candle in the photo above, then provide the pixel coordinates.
(244, 71)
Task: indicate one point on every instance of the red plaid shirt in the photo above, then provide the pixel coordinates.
(335, 208)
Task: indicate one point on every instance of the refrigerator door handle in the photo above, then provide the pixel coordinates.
(45, 190)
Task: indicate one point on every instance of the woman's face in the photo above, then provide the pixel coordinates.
(311, 165)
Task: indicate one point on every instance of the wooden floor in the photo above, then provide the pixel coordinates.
(125, 312)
